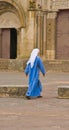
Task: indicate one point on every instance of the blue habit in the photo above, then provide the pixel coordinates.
(35, 87)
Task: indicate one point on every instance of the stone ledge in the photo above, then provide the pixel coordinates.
(13, 91)
(63, 92)
(20, 64)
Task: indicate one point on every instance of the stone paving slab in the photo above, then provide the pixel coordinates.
(46, 113)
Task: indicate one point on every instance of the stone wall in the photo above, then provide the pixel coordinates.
(19, 65)
(60, 4)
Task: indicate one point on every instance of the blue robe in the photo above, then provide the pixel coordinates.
(35, 87)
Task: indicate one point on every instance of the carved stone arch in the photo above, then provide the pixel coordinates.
(14, 7)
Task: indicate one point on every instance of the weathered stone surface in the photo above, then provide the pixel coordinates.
(12, 91)
(20, 64)
(63, 92)
(57, 65)
(60, 4)
(13, 65)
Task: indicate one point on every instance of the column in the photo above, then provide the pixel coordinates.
(23, 52)
(0, 43)
(18, 42)
(51, 35)
(29, 38)
(26, 37)
(39, 30)
(44, 37)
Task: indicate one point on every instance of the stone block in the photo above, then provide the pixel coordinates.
(12, 91)
(63, 92)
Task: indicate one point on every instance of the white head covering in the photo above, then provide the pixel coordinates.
(32, 58)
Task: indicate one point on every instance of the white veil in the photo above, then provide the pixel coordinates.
(32, 58)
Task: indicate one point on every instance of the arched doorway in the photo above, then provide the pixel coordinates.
(8, 43)
(62, 37)
(12, 18)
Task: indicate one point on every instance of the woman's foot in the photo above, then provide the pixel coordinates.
(28, 97)
(39, 96)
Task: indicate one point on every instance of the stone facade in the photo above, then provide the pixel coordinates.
(60, 4)
(35, 23)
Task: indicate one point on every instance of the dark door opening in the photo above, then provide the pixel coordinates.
(8, 43)
(13, 43)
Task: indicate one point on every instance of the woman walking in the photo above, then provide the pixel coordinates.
(33, 68)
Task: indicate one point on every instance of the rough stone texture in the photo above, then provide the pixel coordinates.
(13, 91)
(13, 65)
(57, 65)
(20, 64)
(60, 4)
(63, 92)
(50, 53)
(3, 64)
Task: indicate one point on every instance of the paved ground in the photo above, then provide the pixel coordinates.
(46, 113)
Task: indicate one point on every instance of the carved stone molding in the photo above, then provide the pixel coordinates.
(14, 7)
(32, 4)
(51, 15)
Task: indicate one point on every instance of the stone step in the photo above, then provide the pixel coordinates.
(12, 64)
(57, 65)
(13, 91)
(19, 65)
(3, 64)
(63, 92)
